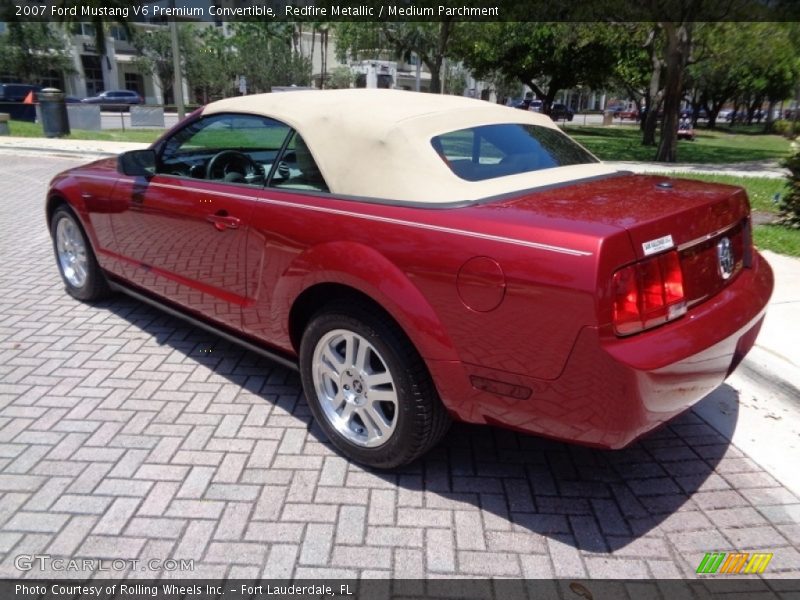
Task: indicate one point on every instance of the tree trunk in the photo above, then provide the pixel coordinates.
(445, 28)
(768, 122)
(677, 52)
(653, 100)
(435, 67)
(650, 125)
(311, 58)
(323, 49)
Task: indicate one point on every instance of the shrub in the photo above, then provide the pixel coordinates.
(790, 203)
(785, 128)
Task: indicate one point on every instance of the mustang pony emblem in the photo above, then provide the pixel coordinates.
(725, 257)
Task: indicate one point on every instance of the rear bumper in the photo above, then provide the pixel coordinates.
(613, 390)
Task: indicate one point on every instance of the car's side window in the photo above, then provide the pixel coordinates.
(297, 169)
(233, 148)
(490, 151)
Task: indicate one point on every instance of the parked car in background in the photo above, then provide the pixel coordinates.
(115, 99)
(724, 114)
(688, 113)
(560, 112)
(461, 260)
(624, 111)
(530, 104)
(12, 100)
(615, 109)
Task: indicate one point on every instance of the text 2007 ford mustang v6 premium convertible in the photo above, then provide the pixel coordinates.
(423, 258)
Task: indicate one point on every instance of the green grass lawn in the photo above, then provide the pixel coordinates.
(761, 191)
(25, 129)
(778, 239)
(624, 142)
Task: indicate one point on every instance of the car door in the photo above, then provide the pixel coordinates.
(184, 233)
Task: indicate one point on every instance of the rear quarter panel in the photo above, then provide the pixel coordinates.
(408, 260)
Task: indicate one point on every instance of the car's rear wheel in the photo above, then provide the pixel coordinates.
(76, 260)
(368, 387)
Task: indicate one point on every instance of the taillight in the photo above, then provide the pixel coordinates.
(648, 293)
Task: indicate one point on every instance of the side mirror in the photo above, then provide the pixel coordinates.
(137, 163)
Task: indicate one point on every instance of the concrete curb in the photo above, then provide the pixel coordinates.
(88, 149)
(776, 355)
(57, 153)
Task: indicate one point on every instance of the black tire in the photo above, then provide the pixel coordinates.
(420, 419)
(93, 284)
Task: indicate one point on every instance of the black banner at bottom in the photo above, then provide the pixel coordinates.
(411, 589)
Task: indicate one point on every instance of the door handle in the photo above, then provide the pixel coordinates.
(222, 221)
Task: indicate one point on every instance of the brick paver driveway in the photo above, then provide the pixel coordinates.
(126, 434)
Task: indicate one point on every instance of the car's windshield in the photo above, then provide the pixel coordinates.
(491, 151)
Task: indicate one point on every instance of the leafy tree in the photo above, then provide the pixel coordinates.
(638, 71)
(30, 51)
(429, 41)
(342, 77)
(632, 69)
(735, 64)
(678, 21)
(322, 29)
(677, 48)
(269, 55)
(99, 22)
(547, 57)
(504, 87)
(716, 75)
(155, 54)
(213, 69)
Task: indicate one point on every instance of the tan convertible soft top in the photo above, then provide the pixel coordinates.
(377, 143)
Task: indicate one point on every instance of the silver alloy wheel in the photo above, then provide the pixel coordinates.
(71, 252)
(355, 388)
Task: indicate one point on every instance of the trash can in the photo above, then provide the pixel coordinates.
(54, 112)
(608, 117)
(4, 119)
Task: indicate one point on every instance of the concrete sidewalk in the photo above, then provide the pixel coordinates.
(758, 168)
(89, 149)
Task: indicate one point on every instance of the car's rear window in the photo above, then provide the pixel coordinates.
(490, 151)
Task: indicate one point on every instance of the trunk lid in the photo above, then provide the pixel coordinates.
(659, 213)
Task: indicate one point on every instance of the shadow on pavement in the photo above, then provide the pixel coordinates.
(593, 500)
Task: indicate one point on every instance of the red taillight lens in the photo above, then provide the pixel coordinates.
(648, 293)
(673, 277)
(627, 318)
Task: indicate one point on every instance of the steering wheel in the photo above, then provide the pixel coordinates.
(232, 165)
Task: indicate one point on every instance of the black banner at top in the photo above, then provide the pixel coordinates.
(400, 10)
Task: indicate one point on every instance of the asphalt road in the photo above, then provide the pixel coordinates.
(126, 434)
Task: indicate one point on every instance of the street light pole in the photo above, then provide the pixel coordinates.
(176, 67)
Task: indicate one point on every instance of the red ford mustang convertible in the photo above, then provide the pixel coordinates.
(423, 258)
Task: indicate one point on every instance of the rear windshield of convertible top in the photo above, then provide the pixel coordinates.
(490, 151)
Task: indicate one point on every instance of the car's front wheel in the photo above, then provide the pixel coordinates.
(76, 261)
(368, 387)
